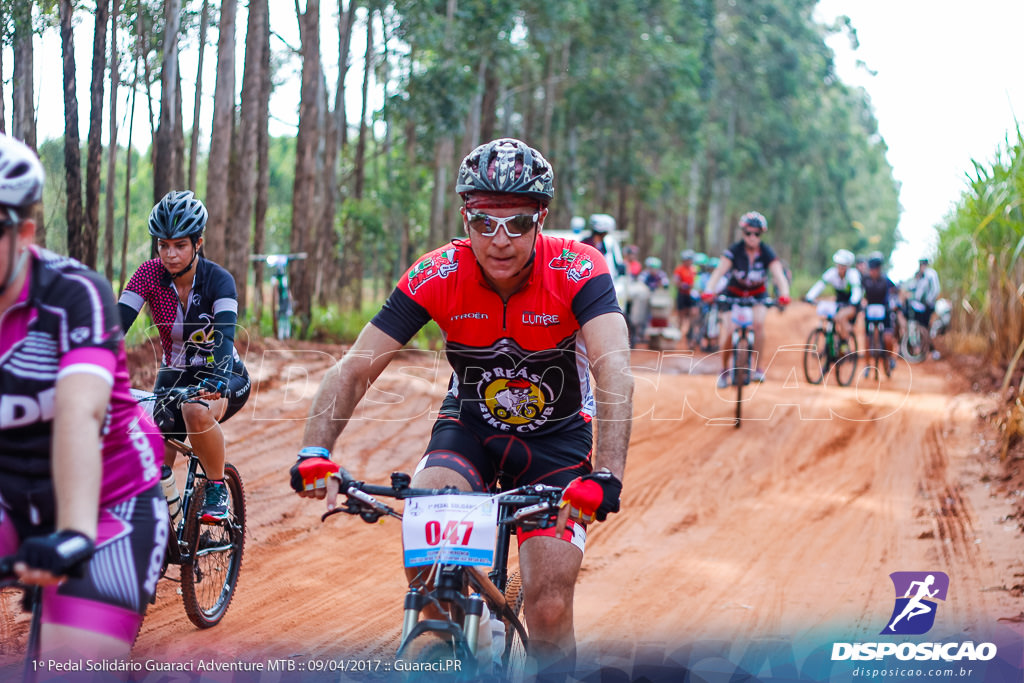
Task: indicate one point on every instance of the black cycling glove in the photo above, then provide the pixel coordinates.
(62, 553)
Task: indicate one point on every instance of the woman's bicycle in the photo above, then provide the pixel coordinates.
(826, 352)
(451, 535)
(878, 355)
(742, 340)
(209, 554)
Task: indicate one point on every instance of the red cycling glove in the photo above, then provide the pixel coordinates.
(592, 496)
(784, 300)
(707, 297)
(312, 469)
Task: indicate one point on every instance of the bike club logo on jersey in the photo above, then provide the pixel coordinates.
(918, 596)
(514, 400)
(577, 266)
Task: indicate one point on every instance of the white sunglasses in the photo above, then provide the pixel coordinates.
(486, 225)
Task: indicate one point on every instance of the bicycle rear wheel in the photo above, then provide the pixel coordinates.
(741, 372)
(209, 576)
(912, 345)
(514, 658)
(845, 368)
(815, 355)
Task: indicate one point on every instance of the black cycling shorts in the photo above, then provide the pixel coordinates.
(237, 393)
(487, 459)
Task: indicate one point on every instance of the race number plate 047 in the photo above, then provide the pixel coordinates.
(450, 529)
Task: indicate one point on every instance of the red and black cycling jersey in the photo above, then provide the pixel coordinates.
(519, 366)
(748, 278)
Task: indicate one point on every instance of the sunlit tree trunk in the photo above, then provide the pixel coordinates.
(77, 242)
(115, 77)
(304, 189)
(128, 169)
(23, 118)
(263, 172)
(193, 154)
(95, 155)
(164, 153)
(244, 186)
(346, 19)
(218, 172)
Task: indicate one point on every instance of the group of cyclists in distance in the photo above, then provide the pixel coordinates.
(85, 478)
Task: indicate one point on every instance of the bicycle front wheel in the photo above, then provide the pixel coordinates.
(845, 368)
(815, 355)
(913, 345)
(514, 658)
(210, 574)
(741, 371)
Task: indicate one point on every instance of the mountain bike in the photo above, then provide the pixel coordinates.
(915, 343)
(878, 355)
(742, 340)
(282, 303)
(826, 352)
(31, 601)
(703, 333)
(455, 534)
(209, 554)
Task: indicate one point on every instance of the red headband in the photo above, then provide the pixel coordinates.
(497, 200)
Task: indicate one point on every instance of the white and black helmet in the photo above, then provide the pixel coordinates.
(21, 174)
(601, 223)
(179, 214)
(506, 165)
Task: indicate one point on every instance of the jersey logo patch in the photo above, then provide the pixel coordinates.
(442, 263)
(514, 401)
(577, 266)
(79, 334)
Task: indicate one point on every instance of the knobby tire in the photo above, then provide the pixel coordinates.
(741, 372)
(816, 357)
(845, 367)
(208, 580)
(514, 657)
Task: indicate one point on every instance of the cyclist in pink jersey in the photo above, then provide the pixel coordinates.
(80, 504)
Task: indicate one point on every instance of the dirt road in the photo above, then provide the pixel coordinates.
(784, 531)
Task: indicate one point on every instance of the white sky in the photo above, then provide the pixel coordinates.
(947, 82)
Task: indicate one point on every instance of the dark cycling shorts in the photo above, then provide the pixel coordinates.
(237, 394)
(487, 459)
(922, 317)
(684, 301)
(118, 582)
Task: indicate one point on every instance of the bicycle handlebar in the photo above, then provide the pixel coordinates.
(530, 501)
(177, 395)
(746, 301)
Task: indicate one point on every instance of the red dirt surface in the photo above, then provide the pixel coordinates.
(784, 530)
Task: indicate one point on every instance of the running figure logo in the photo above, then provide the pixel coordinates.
(916, 595)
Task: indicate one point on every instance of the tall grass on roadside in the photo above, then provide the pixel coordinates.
(981, 264)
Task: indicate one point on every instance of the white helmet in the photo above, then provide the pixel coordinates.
(601, 222)
(843, 257)
(21, 174)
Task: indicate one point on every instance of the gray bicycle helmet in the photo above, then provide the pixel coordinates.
(21, 174)
(179, 214)
(506, 165)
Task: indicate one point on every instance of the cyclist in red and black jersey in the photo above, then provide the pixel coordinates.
(194, 306)
(526, 319)
(81, 509)
(747, 264)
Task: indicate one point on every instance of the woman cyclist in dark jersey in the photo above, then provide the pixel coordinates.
(747, 264)
(194, 305)
(80, 502)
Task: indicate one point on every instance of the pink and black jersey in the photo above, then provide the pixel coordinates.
(198, 334)
(65, 321)
(519, 366)
(748, 277)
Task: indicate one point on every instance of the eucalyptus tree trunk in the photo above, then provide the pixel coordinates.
(306, 142)
(193, 154)
(218, 180)
(165, 153)
(263, 170)
(354, 258)
(243, 188)
(108, 240)
(77, 240)
(346, 19)
(128, 171)
(94, 159)
(23, 120)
